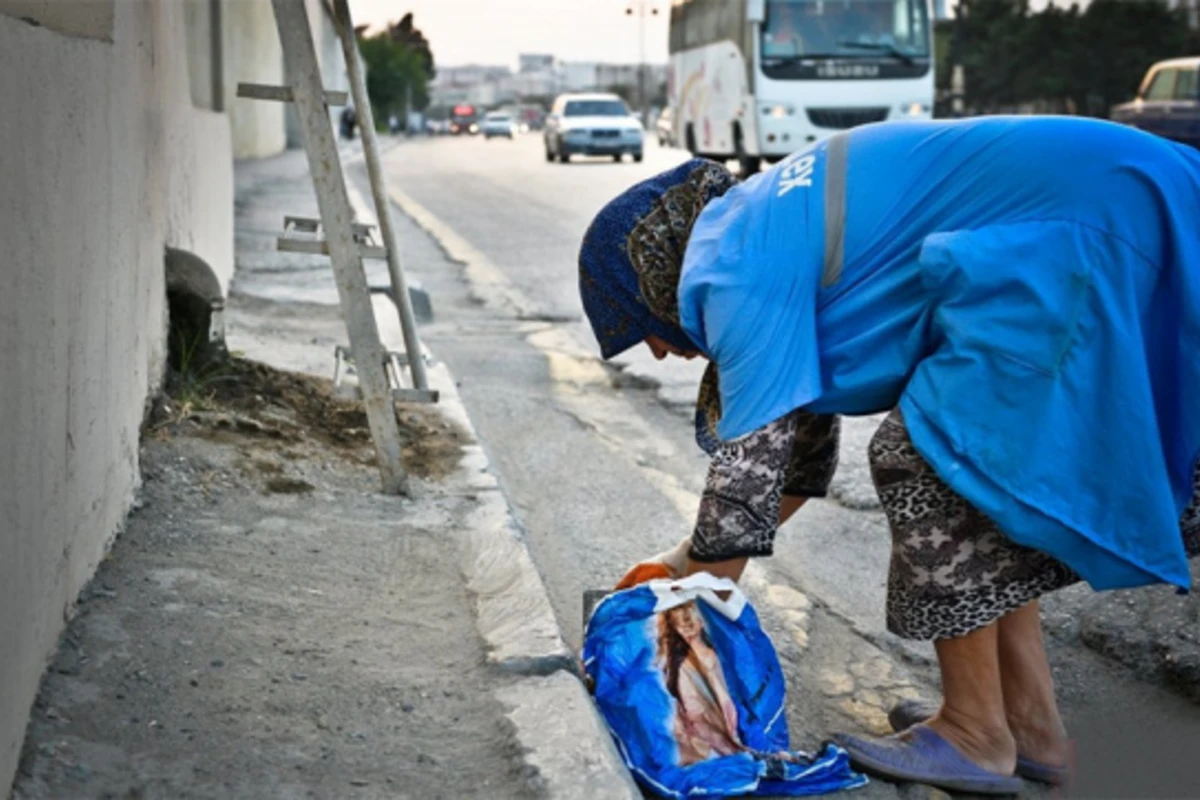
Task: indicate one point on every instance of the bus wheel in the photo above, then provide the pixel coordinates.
(747, 164)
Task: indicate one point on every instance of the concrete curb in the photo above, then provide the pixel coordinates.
(549, 707)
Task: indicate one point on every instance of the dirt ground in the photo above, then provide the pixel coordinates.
(269, 625)
(235, 398)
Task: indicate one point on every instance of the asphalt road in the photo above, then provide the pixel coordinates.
(599, 463)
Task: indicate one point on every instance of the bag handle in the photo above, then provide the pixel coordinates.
(703, 586)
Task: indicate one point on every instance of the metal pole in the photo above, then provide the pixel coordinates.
(383, 207)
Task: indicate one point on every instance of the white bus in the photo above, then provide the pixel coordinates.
(758, 79)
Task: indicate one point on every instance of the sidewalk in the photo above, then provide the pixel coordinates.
(269, 625)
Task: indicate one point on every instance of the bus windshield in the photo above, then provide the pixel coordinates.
(845, 29)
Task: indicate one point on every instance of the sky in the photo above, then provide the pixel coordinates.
(495, 31)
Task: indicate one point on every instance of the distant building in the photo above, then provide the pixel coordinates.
(473, 84)
(535, 63)
(480, 94)
(588, 75)
(528, 84)
(468, 75)
(539, 76)
(578, 75)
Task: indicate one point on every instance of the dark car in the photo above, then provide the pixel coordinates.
(1168, 102)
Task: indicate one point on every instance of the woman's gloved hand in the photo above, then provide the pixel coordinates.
(670, 563)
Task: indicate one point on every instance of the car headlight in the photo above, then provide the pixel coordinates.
(632, 133)
(778, 110)
(915, 109)
(576, 133)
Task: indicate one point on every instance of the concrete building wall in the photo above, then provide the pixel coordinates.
(202, 22)
(86, 19)
(106, 167)
(252, 54)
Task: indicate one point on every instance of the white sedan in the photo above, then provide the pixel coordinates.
(592, 125)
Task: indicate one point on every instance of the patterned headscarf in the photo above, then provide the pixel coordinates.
(632, 256)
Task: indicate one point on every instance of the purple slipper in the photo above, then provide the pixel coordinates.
(920, 755)
(907, 713)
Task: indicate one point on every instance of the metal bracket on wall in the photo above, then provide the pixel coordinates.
(343, 365)
(283, 94)
(304, 235)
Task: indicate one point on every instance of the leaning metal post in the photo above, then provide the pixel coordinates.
(308, 95)
(383, 207)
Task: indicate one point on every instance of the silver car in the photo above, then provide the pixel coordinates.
(592, 125)
(498, 124)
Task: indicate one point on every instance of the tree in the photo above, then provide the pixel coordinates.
(1048, 43)
(399, 67)
(1059, 59)
(1117, 41)
(991, 53)
(405, 34)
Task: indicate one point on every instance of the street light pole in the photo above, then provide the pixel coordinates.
(642, 6)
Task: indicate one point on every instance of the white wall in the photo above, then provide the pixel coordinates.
(201, 17)
(252, 54)
(106, 165)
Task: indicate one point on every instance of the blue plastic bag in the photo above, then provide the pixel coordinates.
(693, 694)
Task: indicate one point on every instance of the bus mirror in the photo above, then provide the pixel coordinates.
(756, 11)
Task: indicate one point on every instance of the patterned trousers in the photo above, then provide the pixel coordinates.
(952, 571)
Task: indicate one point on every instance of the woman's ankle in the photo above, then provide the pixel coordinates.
(1042, 737)
(986, 742)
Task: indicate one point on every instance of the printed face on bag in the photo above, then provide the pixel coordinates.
(686, 621)
(693, 691)
(705, 723)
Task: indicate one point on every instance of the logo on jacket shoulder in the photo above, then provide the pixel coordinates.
(796, 170)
